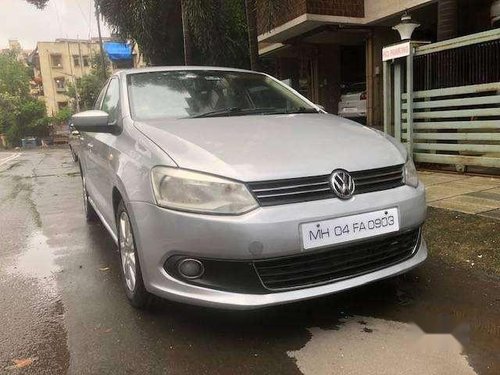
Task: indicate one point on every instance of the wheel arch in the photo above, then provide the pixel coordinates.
(119, 193)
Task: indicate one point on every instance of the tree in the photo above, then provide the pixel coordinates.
(20, 114)
(88, 87)
(40, 4)
(202, 32)
(219, 32)
(188, 47)
(253, 43)
(62, 116)
(14, 76)
(154, 25)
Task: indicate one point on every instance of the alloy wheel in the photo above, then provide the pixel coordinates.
(127, 251)
(85, 197)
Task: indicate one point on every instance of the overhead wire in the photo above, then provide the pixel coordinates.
(54, 3)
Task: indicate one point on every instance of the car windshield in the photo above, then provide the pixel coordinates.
(209, 93)
(353, 88)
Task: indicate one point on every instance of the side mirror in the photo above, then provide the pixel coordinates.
(93, 121)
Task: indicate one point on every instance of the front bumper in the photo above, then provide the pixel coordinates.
(264, 233)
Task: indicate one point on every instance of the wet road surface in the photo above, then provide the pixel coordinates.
(62, 309)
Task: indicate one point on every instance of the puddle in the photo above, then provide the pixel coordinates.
(32, 312)
(363, 345)
(37, 261)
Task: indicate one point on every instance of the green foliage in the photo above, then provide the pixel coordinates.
(217, 28)
(154, 25)
(88, 87)
(20, 114)
(40, 4)
(219, 32)
(14, 76)
(62, 116)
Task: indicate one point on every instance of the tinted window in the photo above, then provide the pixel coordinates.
(110, 103)
(193, 93)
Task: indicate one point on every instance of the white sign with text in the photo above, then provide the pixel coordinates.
(396, 51)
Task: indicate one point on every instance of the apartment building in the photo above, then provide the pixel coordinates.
(64, 61)
(322, 46)
(15, 46)
(58, 63)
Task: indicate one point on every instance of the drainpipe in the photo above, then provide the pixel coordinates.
(447, 27)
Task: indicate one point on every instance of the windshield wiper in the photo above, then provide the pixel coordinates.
(302, 110)
(218, 112)
(236, 111)
(285, 111)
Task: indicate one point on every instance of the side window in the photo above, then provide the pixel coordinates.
(111, 101)
(97, 104)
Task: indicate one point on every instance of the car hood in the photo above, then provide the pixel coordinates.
(268, 147)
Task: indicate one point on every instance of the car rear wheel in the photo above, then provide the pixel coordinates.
(90, 214)
(136, 293)
(73, 154)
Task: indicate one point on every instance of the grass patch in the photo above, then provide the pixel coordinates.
(467, 240)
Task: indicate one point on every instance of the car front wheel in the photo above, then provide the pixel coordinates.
(136, 293)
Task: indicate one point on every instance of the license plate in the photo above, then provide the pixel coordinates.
(349, 228)
(350, 110)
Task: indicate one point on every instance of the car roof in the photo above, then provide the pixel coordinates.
(180, 67)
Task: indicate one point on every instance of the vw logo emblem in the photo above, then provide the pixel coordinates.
(342, 184)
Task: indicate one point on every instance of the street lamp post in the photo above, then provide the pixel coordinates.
(405, 29)
(393, 63)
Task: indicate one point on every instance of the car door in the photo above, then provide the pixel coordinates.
(101, 173)
(86, 157)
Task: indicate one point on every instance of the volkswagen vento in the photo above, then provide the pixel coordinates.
(227, 188)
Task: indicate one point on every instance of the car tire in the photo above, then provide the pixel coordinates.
(130, 267)
(90, 213)
(73, 154)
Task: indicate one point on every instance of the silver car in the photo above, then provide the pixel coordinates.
(226, 188)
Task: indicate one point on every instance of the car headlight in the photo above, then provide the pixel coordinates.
(410, 173)
(184, 190)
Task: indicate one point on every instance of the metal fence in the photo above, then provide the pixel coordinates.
(462, 65)
(454, 116)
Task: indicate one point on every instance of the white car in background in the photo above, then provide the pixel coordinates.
(353, 101)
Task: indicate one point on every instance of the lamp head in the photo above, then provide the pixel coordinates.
(406, 27)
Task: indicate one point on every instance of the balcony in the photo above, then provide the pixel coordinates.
(298, 16)
(281, 20)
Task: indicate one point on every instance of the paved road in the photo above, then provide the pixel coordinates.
(62, 309)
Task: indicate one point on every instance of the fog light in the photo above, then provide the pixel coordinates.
(191, 268)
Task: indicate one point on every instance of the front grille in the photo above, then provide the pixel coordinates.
(294, 190)
(378, 179)
(338, 262)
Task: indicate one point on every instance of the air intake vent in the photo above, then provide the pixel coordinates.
(337, 262)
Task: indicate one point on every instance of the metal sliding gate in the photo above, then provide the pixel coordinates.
(443, 100)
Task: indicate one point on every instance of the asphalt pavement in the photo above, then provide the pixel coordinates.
(63, 310)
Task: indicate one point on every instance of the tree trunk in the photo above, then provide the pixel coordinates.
(188, 55)
(447, 20)
(253, 44)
